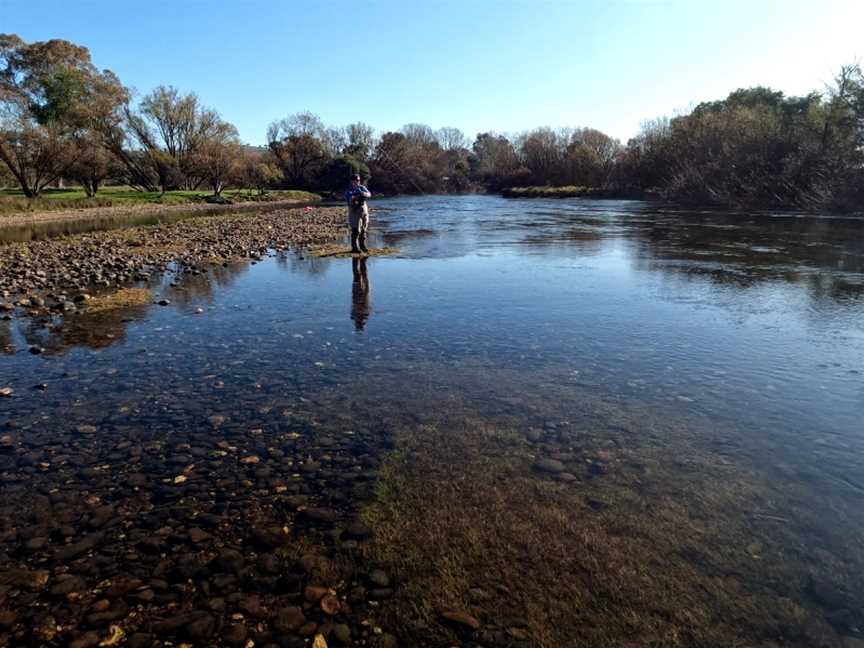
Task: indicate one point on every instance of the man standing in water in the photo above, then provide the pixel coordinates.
(358, 214)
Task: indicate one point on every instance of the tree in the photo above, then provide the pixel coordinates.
(361, 141)
(495, 163)
(171, 130)
(51, 97)
(92, 166)
(339, 171)
(217, 157)
(451, 139)
(258, 170)
(297, 144)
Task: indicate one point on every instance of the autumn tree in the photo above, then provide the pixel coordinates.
(162, 139)
(51, 97)
(259, 170)
(217, 157)
(297, 143)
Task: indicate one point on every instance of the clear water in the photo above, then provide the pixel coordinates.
(752, 321)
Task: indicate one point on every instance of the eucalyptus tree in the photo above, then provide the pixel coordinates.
(52, 100)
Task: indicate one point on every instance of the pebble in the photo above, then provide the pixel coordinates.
(462, 619)
(289, 619)
(549, 466)
(379, 578)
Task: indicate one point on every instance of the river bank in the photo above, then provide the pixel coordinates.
(117, 211)
(61, 275)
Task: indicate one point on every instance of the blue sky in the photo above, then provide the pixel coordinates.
(477, 65)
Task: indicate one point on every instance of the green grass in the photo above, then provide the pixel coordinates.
(13, 201)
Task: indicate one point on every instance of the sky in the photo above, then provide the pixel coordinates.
(478, 65)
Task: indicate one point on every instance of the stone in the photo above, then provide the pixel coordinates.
(234, 634)
(330, 605)
(379, 578)
(289, 619)
(7, 619)
(314, 593)
(197, 536)
(87, 640)
(549, 466)
(34, 580)
(357, 530)
(342, 634)
(321, 515)
(461, 619)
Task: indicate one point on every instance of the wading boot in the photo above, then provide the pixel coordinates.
(355, 234)
(363, 247)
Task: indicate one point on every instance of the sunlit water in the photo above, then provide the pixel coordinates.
(754, 318)
(752, 321)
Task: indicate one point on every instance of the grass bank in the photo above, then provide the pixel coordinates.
(13, 201)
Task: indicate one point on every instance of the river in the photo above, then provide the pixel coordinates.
(746, 329)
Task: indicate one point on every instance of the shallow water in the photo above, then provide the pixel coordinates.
(754, 322)
(754, 319)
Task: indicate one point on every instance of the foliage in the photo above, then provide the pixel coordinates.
(63, 119)
(51, 98)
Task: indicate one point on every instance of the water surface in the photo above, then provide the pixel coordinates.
(749, 323)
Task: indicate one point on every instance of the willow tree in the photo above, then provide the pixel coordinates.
(52, 98)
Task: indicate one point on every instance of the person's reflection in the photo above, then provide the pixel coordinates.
(360, 288)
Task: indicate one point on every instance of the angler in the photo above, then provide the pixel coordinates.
(358, 214)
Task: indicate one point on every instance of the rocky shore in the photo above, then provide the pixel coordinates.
(60, 275)
(183, 526)
(217, 532)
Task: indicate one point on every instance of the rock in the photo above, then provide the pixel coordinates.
(173, 624)
(321, 515)
(380, 593)
(72, 551)
(269, 563)
(533, 435)
(35, 349)
(357, 530)
(140, 640)
(461, 619)
(229, 561)
(201, 627)
(379, 578)
(235, 634)
(330, 605)
(164, 302)
(289, 619)
(314, 593)
(34, 580)
(6, 392)
(116, 612)
(342, 634)
(253, 606)
(387, 641)
(87, 640)
(319, 641)
(549, 466)
(197, 536)
(7, 619)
